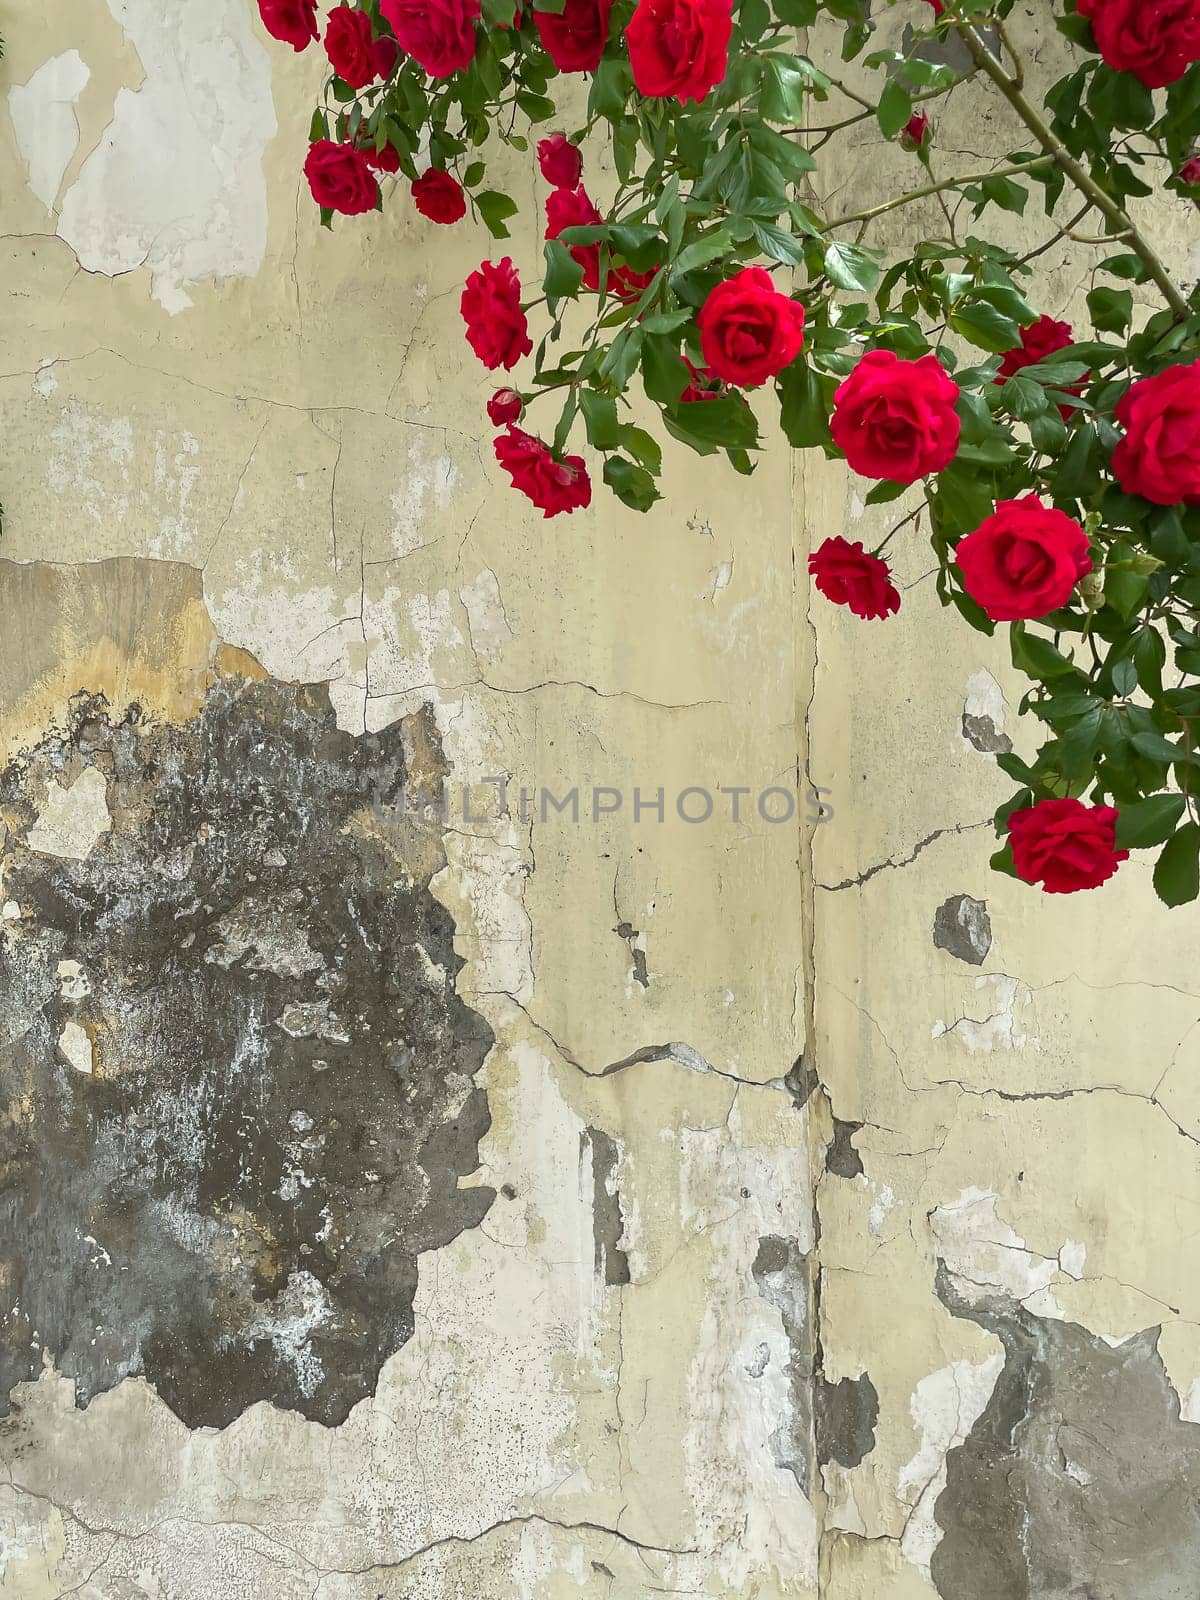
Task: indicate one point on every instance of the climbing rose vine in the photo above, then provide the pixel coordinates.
(1056, 468)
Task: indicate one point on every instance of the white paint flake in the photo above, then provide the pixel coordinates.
(73, 820)
(987, 1259)
(984, 702)
(177, 183)
(47, 129)
(998, 1030)
(486, 617)
(945, 1407)
(77, 1047)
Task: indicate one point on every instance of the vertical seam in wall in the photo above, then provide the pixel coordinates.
(805, 636)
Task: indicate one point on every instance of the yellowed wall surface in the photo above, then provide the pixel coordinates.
(501, 1204)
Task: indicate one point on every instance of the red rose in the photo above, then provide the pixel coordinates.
(552, 485)
(504, 406)
(574, 38)
(850, 576)
(349, 46)
(703, 384)
(627, 284)
(340, 178)
(438, 195)
(1156, 40)
(561, 161)
(895, 419)
(386, 52)
(438, 34)
(679, 47)
(292, 21)
(1065, 845)
(1038, 341)
(748, 330)
(1159, 457)
(573, 208)
(1024, 560)
(491, 308)
(916, 132)
(1189, 172)
(385, 160)
(937, 5)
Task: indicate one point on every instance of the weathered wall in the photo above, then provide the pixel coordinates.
(405, 1206)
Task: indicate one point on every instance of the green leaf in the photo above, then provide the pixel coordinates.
(494, 207)
(1177, 872)
(804, 406)
(707, 248)
(1111, 309)
(777, 244)
(986, 326)
(1037, 656)
(1124, 677)
(630, 483)
(781, 98)
(563, 273)
(895, 108)
(1003, 862)
(664, 374)
(623, 354)
(1077, 746)
(640, 243)
(849, 266)
(727, 421)
(600, 416)
(643, 446)
(1148, 822)
(611, 87)
(1156, 748)
(1125, 266)
(1006, 194)
(537, 107)
(797, 13)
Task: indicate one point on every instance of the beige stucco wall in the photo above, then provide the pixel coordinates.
(611, 1379)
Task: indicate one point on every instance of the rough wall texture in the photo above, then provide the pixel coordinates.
(472, 1204)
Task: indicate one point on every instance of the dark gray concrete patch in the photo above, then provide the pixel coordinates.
(841, 1158)
(845, 1414)
(1079, 1481)
(983, 733)
(781, 1272)
(608, 1223)
(962, 926)
(282, 1101)
(630, 935)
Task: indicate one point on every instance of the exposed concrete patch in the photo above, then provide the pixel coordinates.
(845, 1414)
(259, 1105)
(43, 114)
(842, 1158)
(781, 1273)
(983, 716)
(962, 926)
(1078, 1477)
(608, 1223)
(207, 100)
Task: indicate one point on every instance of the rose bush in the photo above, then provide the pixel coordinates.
(1056, 467)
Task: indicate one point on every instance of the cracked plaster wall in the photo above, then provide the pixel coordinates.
(825, 1182)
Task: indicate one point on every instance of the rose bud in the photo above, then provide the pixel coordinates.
(505, 405)
(561, 161)
(916, 132)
